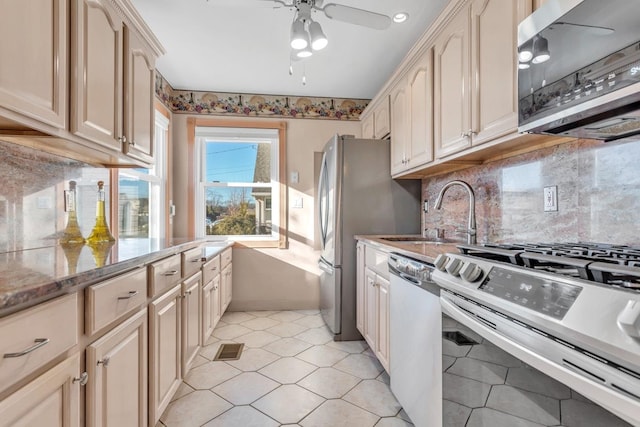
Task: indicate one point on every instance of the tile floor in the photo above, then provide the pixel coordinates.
(290, 373)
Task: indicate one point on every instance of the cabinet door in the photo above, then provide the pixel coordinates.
(452, 86)
(494, 26)
(164, 351)
(360, 284)
(382, 347)
(399, 128)
(191, 320)
(139, 123)
(381, 119)
(226, 291)
(117, 367)
(216, 303)
(52, 399)
(33, 69)
(367, 127)
(370, 314)
(421, 111)
(207, 313)
(96, 51)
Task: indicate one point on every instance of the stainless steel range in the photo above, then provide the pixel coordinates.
(570, 310)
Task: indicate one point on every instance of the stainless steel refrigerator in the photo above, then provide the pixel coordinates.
(356, 195)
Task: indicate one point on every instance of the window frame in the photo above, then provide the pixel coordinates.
(279, 237)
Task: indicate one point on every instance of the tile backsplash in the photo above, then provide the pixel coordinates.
(598, 186)
(32, 185)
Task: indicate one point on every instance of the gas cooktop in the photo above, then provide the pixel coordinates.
(607, 264)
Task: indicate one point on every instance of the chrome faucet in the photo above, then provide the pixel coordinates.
(471, 227)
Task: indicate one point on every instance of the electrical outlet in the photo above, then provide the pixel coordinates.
(551, 198)
(425, 207)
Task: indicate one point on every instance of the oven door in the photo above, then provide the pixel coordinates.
(608, 387)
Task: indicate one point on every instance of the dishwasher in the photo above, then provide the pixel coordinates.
(415, 340)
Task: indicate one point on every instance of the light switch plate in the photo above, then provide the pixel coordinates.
(551, 198)
(297, 203)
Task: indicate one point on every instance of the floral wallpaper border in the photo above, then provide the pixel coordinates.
(251, 105)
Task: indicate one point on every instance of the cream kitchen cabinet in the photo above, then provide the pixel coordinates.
(191, 320)
(412, 117)
(367, 127)
(372, 300)
(52, 399)
(226, 279)
(113, 81)
(165, 371)
(475, 75)
(34, 68)
(381, 119)
(210, 297)
(117, 368)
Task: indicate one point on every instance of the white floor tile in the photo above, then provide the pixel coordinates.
(246, 388)
(316, 336)
(478, 370)
(531, 406)
(484, 417)
(531, 379)
(230, 332)
(210, 375)
(289, 403)
(322, 355)
(375, 397)
(236, 317)
(253, 359)
(349, 346)
(361, 366)
(329, 383)
(286, 316)
(339, 413)
(287, 347)
(244, 416)
(578, 413)
(194, 409)
(287, 329)
(260, 323)
(288, 370)
(311, 321)
(183, 390)
(257, 339)
(393, 422)
(262, 313)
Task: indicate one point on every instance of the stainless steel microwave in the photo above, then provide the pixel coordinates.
(579, 69)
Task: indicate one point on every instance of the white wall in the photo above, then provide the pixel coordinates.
(272, 279)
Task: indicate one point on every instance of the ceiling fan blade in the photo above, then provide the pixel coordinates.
(356, 16)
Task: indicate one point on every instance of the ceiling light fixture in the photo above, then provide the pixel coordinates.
(299, 37)
(318, 39)
(400, 17)
(540, 50)
(525, 53)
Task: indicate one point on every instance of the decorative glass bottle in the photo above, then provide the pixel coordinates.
(100, 232)
(71, 233)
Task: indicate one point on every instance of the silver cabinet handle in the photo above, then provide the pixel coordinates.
(83, 379)
(170, 273)
(122, 139)
(195, 260)
(39, 342)
(130, 295)
(187, 292)
(132, 143)
(104, 362)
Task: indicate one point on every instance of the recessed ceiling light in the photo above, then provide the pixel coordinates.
(400, 17)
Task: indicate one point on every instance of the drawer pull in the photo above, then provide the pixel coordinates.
(188, 292)
(104, 362)
(39, 342)
(195, 260)
(130, 295)
(83, 379)
(171, 273)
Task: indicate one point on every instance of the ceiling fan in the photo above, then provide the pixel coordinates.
(339, 12)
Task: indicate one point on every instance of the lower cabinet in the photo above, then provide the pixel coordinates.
(226, 281)
(372, 300)
(117, 368)
(210, 308)
(165, 373)
(191, 320)
(52, 399)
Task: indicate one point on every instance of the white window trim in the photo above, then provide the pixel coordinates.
(226, 134)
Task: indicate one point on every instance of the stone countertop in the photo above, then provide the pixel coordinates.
(31, 276)
(424, 251)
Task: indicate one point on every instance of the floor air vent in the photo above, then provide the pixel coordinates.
(229, 352)
(458, 337)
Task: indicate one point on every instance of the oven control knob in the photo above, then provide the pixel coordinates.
(441, 262)
(471, 272)
(454, 266)
(629, 319)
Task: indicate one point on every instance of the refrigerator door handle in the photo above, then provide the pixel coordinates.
(323, 217)
(325, 267)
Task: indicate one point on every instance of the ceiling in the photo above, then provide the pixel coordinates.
(242, 46)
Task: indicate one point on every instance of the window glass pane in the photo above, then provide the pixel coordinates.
(142, 170)
(133, 207)
(237, 211)
(238, 162)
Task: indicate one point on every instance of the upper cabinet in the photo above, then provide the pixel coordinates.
(412, 117)
(376, 122)
(34, 69)
(92, 102)
(475, 75)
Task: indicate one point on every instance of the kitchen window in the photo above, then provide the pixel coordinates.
(239, 180)
(141, 192)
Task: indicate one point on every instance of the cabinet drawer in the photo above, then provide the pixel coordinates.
(377, 261)
(164, 274)
(210, 269)
(33, 337)
(191, 261)
(113, 299)
(225, 258)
